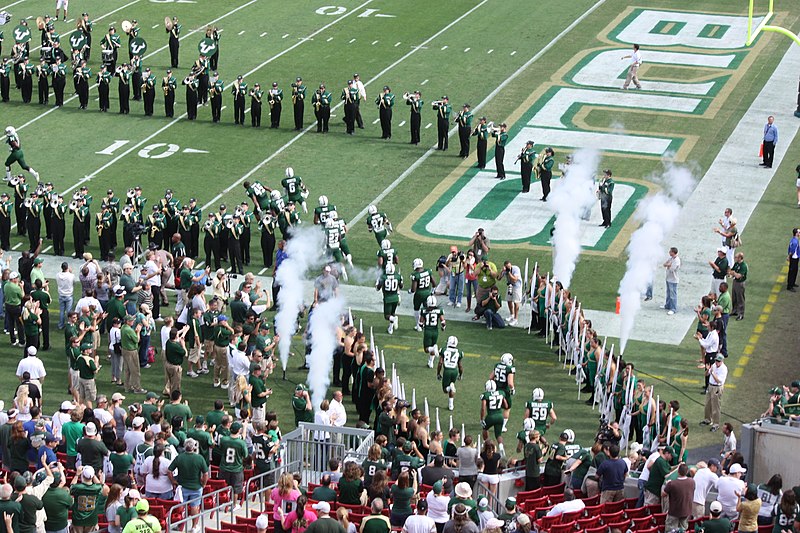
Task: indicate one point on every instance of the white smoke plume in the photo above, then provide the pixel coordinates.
(572, 196)
(322, 324)
(658, 215)
(357, 274)
(304, 251)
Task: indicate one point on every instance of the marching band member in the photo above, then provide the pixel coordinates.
(221, 216)
(170, 206)
(87, 201)
(132, 34)
(136, 77)
(192, 96)
(6, 66)
(212, 229)
(544, 168)
(246, 219)
(464, 121)
(6, 206)
(255, 105)
(131, 215)
(110, 47)
(443, 110)
(169, 84)
(80, 215)
(77, 59)
(124, 88)
(86, 28)
(156, 224)
(203, 78)
(59, 225)
(26, 70)
(214, 35)
(267, 227)
(82, 75)
(16, 155)
(350, 97)
(103, 86)
(362, 95)
(112, 202)
(20, 192)
(235, 231)
(59, 80)
(174, 42)
(481, 131)
(47, 209)
(33, 220)
(103, 225)
(148, 92)
(415, 101)
(43, 82)
(321, 100)
(298, 102)
(385, 102)
(216, 86)
(501, 139)
(238, 90)
(275, 106)
(526, 158)
(197, 215)
(185, 223)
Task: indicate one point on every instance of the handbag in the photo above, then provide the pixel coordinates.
(736, 240)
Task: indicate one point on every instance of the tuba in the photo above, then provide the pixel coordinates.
(77, 196)
(54, 201)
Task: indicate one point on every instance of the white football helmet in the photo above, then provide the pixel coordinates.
(452, 341)
(330, 223)
(417, 263)
(431, 301)
(529, 424)
(372, 209)
(570, 435)
(507, 359)
(385, 244)
(491, 386)
(333, 214)
(10, 131)
(389, 268)
(323, 201)
(275, 195)
(538, 394)
(289, 172)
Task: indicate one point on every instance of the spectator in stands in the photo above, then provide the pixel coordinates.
(114, 501)
(570, 503)
(437, 501)
(299, 518)
(717, 522)
(705, 479)
(334, 469)
(490, 473)
(494, 525)
(11, 510)
(18, 449)
(324, 493)
(770, 494)
(484, 513)
(91, 449)
(509, 514)
(351, 485)
(372, 464)
(680, 492)
(729, 487)
(437, 471)
(122, 462)
(324, 523)
(461, 522)
(262, 523)
(23, 403)
(464, 496)
(61, 417)
(787, 514)
(467, 469)
(728, 445)
(401, 493)
(379, 488)
(748, 509)
(86, 490)
(57, 502)
(420, 522)
(191, 477)
(158, 483)
(284, 497)
(343, 517)
(659, 468)
(376, 522)
(612, 474)
(143, 521)
(128, 512)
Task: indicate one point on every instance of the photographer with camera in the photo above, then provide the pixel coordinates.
(457, 263)
(480, 245)
(489, 308)
(514, 294)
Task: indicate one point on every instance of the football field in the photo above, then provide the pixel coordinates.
(552, 71)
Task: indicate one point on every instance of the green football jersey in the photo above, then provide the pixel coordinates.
(260, 192)
(451, 358)
(321, 212)
(377, 222)
(232, 453)
(424, 281)
(501, 373)
(539, 412)
(332, 238)
(391, 285)
(430, 317)
(388, 256)
(294, 188)
(494, 402)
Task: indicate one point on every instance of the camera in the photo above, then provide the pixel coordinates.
(137, 229)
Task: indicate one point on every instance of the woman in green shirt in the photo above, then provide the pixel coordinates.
(31, 321)
(680, 443)
(401, 494)
(704, 317)
(350, 485)
(121, 462)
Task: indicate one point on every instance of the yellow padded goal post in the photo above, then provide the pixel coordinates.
(764, 25)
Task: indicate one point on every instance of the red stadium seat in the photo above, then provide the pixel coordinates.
(563, 528)
(537, 503)
(556, 498)
(622, 525)
(209, 530)
(610, 518)
(654, 508)
(637, 512)
(578, 494)
(593, 510)
(524, 496)
(695, 521)
(630, 503)
(354, 508)
(643, 522)
(555, 489)
(246, 521)
(613, 507)
(588, 523)
(659, 518)
(598, 529)
(594, 500)
(312, 486)
(765, 529)
(546, 521)
(157, 511)
(571, 516)
(648, 530)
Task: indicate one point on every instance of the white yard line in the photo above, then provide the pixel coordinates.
(151, 54)
(16, 246)
(313, 125)
(11, 5)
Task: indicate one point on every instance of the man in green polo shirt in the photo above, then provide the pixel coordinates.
(659, 470)
(130, 355)
(8, 508)
(222, 338)
(174, 354)
(376, 521)
(41, 295)
(192, 475)
(724, 301)
(86, 491)
(177, 407)
(127, 282)
(87, 367)
(233, 451)
(301, 405)
(202, 436)
(116, 307)
(57, 502)
(259, 392)
(739, 273)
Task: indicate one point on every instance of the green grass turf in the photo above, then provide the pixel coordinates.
(352, 171)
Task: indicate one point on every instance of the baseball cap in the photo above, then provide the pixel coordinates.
(713, 461)
(67, 405)
(262, 522)
(483, 504)
(300, 387)
(715, 507)
(20, 483)
(236, 427)
(117, 396)
(151, 396)
(495, 523)
(137, 421)
(199, 420)
(737, 469)
(254, 367)
(796, 384)
(324, 507)
(511, 502)
(142, 506)
(438, 487)
(38, 261)
(51, 438)
(91, 429)
(133, 494)
(719, 357)
(722, 250)
(31, 350)
(407, 446)
(222, 318)
(88, 471)
(13, 275)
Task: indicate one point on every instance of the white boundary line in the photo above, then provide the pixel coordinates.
(177, 119)
(11, 5)
(151, 54)
(313, 125)
(392, 186)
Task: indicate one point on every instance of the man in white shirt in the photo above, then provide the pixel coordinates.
(569, 504)
(728, 444)
(239, 365)
(362, 96)
(420, 522)
(101, 412)
(135, 436)
(66, 286)
(717, 374)
(728, 490)
(636, 61)
(153, 276)
(337, 411)
(705, 479)
(86, 301)
(644, 477)
(33, 365)
(672, 265)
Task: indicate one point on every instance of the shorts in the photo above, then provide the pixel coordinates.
(87, 389)
(419, 300)
(507, 394)
(495, 421)
(343, 246)
(189, 495)
(514, 295)
(194, 355)
(430, 336)
(336, 253)
(491, 479)
(449, 376)
(797, 183)
(390, 308)
(234, 480)
(73, 379)
(380, 235)
(62, 3)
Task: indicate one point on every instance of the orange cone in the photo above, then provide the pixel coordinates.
(616, 310)
(761, 150)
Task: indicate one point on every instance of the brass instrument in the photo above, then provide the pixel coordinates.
(73, 205)
(126, 26)
(14, 181)
(208, 225)
(55, 201)
(127, 210)
(230, 224)
(77, 196)
(131, 193)
(271, 100)
(28, 202)
(39, 191)
(186, 81)
(267, 220)
(436, 104)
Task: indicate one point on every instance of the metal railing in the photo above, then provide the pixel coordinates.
(206, 515)
(482, 490)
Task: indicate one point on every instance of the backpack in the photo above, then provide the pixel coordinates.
(139, 455)
(736, 240)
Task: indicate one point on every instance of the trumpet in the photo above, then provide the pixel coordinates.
(240, 212)
(267, 220)
(131, 193)
(126, 211)
(436, 104)
(73, 205)
(54, 201)
(186, 81)
(39, 191)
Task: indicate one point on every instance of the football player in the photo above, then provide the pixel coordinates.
(16, 155)
(421, 286)
(390, 283)
(429, 321)
(450, 361)
(378, 223)
(493, 403)
(341, 225)
(321, 212)
(543, 413)
(333, 246)
(387, 254)
(503, 375)
(296, 190)
(258, 193)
